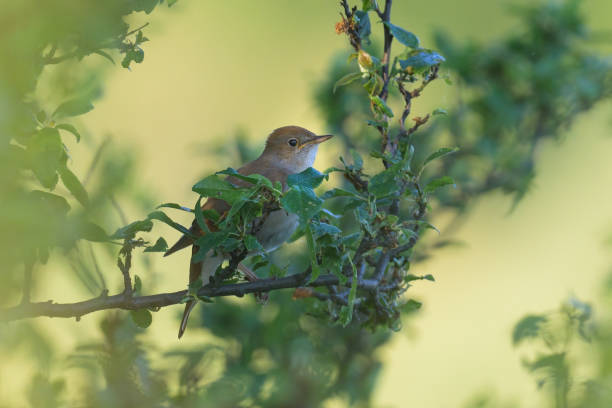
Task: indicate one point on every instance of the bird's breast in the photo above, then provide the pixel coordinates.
(277, 229)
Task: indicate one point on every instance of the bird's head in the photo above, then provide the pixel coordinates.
(294, 147)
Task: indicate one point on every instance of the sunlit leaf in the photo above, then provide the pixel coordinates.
(74, 107)
(44, 153)
(69, 128)
(73, 184)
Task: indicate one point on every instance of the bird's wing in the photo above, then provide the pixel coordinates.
(186, 240)
(222, 207)
(257, 166)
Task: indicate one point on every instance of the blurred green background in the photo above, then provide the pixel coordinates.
(215, 69)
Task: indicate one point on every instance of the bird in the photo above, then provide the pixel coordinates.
(288, 150)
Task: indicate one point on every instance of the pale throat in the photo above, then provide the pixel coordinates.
(302, 160)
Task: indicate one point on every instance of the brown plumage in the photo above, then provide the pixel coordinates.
(288, 150)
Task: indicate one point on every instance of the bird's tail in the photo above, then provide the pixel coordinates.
(183, 242)
(188, 308)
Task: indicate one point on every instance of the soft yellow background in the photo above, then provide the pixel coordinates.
(214, 67)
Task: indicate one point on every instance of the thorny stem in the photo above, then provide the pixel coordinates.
(121, 301)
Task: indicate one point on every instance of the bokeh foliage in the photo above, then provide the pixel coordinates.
(511, 94)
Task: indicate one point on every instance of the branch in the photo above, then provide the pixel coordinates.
(385, 17)
(49, 59)
(127, 302)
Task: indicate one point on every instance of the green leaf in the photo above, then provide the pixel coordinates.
(346, 312)
(207, 242)
(367, 5)
(384, 183)
(246, 208)
(44, 152)
(435, 184)
(142, 317)
(528, 327)
(381, 106)
(301, 201)
(214, 186)
(364, 27)
(309, 178)
(277, 272)
(53, 202)
(92, 232)
(130, 230)
(312, 250)
(357, 159)
(137, 285)
(74, 107)
(171, 3)
(161, 216)
(378, 123)
(251, 178)
(410, 277)
(69, 128)
(199, 216)
(347, 79)
(252, 245)
(175, 206)
(135, 54)
(105, 55)
(405, 37)
(73, 184)
(411, 306)
(41, 117)
(194, 286)
(160, 246)
(320, 229)
(439, 153)
(554, 362)
(420, 59)
(338, 192)
(439, 111)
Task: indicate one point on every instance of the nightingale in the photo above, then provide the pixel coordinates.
(288, 150)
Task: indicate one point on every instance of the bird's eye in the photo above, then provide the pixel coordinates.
(292, 142)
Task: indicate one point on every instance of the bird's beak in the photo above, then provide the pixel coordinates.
(316, 140)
